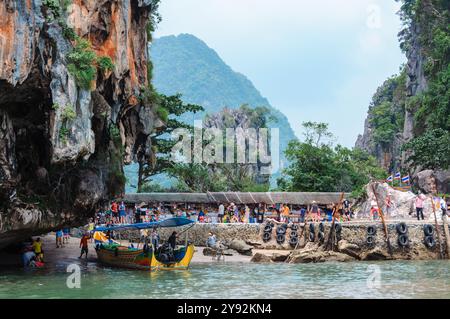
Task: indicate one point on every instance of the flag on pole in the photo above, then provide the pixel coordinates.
(405, 179)
(398, 176)
(390, 179)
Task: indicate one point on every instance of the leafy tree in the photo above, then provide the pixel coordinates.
(430, 151)
(161, 142)
(319, 167)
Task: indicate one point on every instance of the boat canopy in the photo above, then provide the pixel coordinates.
(171, 222)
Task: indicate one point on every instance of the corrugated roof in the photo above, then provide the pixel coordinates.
(236, 197)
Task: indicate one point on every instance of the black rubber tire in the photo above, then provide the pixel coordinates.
(321, 227)
(321, 236)
(294, 227)
(403, 240)
(294, 234)
(267, 229)
(267, 236)
(293, 241)
(402, 228)
(430, 242)
(312, 237)
(311, 228)
(285, 226)
(371, 230)
(337, 228)
(370, 241)
(281, 238)
(281, 231)
(428, 230)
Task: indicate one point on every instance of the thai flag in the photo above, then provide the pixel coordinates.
(390, 179)
(405, 179)
(398, 176)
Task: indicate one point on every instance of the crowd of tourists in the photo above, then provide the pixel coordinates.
(438, 205)
(119, 213)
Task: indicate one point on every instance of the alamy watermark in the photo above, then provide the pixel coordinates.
(74, 279)
(230, 145)
(374, 279)
(374, 17)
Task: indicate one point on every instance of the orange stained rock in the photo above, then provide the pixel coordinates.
(7, 39)
(133, 100)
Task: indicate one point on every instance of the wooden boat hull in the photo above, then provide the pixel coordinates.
(122, 257)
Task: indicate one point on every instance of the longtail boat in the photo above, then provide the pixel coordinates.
(112, 253)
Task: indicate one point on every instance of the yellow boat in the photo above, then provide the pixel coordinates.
(112, 253)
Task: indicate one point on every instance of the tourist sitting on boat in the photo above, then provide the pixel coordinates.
(155, 238)
(173, 240)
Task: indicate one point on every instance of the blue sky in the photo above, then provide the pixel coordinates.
(317, 60)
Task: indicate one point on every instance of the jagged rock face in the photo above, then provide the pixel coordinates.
(55, 170)
(246, 128)
(416, 81)
(433, 182)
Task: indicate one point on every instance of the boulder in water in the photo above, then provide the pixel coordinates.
(241, 247)
(260, 258)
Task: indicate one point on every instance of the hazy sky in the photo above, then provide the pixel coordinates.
(318, 60)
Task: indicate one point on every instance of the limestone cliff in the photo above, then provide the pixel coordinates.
(70, 115)
(416, 100)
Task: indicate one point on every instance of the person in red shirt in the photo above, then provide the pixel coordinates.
(84, 245)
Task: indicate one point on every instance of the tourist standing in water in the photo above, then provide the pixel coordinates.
(37, 248)
(84, 245)
(59, 238)
(66, 235)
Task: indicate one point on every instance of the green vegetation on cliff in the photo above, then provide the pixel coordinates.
(431, 107)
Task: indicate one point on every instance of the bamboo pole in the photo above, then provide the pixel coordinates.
(436, 225)
(380, 212)
(446, 232)
(336, 212)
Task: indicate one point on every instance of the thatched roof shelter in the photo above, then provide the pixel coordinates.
(236, 197)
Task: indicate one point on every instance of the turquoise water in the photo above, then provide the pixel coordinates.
(398, 279)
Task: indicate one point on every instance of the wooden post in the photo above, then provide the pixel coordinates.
(336, 212)
(446, 233)
(380, 212)
(436, 225)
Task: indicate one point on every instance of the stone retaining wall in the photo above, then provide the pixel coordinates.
(354, 233)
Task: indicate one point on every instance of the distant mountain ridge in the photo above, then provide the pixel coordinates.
(185, 64)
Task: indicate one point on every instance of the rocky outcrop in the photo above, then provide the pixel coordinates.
(260, 258)
(63, 144)
(433, 182)
(240, 246)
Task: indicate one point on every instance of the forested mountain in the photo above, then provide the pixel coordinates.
(185, 64)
